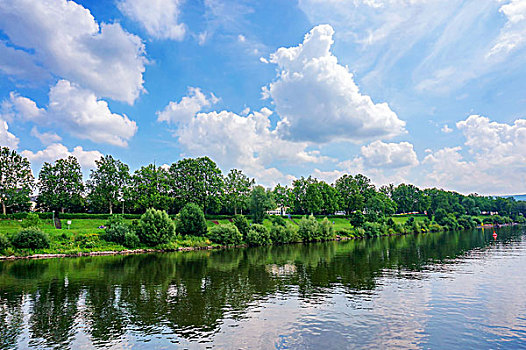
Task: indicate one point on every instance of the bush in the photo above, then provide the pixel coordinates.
(344, 232)
(357, 219)
(241, 223)
(225, 234)
(191, 221)
(283, 234)
(87, 240)
(31, 220)
(31, 238)
(278, 220)
(4, 242)
(258, 235)
(326, 230)
(308, 228)
(466, 222)
(116, 229)
(373, 229)
(155, 227)
(131, 240)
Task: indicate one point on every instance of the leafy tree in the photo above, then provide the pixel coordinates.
(408, 198)
(260, 201)
(309, 228)
(60, 185)
(354, 191)
(31, 220)
(283, 196)
(108, 181)
(155, 227)
(303, 200)
(237, 189)
(150, 188)
(198, 181)
(116, 229)
(191, 221)
(378, 205)
(16, 180)
(258, 235)
(242, 225)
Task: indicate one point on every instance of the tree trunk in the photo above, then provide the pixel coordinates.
(111, 208)
(3, 208)
(235, 210)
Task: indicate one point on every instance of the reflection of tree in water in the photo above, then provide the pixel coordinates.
(192, 293)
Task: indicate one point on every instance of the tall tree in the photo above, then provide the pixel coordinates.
(150, 188)
(60, 185)
(237, 189)
(354, 191)
(197, 181)
(282, 196)
(260, 201)
(16, 179)
(108, 182)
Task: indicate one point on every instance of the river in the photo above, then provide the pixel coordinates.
(451, 290)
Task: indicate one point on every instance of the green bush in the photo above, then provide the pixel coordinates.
(308, 228)
(225, 234)
(283, 234)
(116, 229)
(31, 238)
(326, 230)
(155, 227)
(4, 242)
(131, 240)
(87, 240)
(466, 222)
(191, 221)
(242, 225)
(278, 220)
(344, 232)
(31, 220)
(373, 229)
(258, 235)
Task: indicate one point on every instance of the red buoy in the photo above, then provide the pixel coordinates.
(494, 235)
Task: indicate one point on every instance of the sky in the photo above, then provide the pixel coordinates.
(429, 92)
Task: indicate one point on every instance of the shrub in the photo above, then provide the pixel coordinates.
(31, 220)
(131, 240)
(372, 229)
(283, 234)
(241, 223)
(466, 222)
(434, 227)
(357, 219)
(87, 240)
(225, 234)
(390, 222)
(155, 227)
(326, 230)
(4, 242)
(31, 238)
(191, 221)
(308, 228)
(258, 235)
(278, 220)
(116, 229)
(359, 232)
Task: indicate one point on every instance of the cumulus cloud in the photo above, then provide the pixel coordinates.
(20, 64)
(446, 129)
(7, 139)
(45, 137)
(493, 161)
(513, 34)
(160, 18)
(189, 106)
(77, 111)
(64, 38)
(389, 155)
(318, 100)
(57, 151)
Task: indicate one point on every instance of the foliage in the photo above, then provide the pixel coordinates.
(282, 234)
(31, 220)
(278, 220)
(4, 242)
(60, 185)
(116, 229)
(258, 235)
(326, 230)
(242, 225)
(260, 201)
(108, 182)
(309, 229)
(357, 219)
(131, 240)
(87, 240)
(16, 180)
(374, 229)
(353, 191)
(191, 221)
(225, 234)
(31, 238)
(237, 190)
(155, 227)
(466, 222)
(149, 188)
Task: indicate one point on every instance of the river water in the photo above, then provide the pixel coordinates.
(454, 290)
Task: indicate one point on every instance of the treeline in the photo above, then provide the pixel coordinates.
(112, 188)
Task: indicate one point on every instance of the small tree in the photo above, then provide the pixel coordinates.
(258, 235)
(241, 223)
(260, 202)
(155, 227)
(31, 238)
(225, 234)
(31, 220)
(308, 228)
(16, 180)
(191, 221)
(116, 229)
(326, 229)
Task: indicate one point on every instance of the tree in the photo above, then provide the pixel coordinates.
(60, 185)
(237, 189)
(16, 179)
(191, 221)
(378, 206)
(354, 191)
(198, 181)
(282, 196)
(108, 181)
(150, 188)
(260, 201)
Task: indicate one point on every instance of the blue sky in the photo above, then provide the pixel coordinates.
(430, 92)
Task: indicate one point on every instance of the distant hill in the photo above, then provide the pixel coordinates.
(518, 197)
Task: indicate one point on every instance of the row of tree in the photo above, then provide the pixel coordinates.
(111, 188)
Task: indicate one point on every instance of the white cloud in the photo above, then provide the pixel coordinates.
(20, 64)
(76, 110)
(7, 139)
(160, 18)
(46, 137)
(189, 106)
(493, 162)
(58, 151)
(446, 129)
(389, 155)
(513, 34)
(318, 100)
(67, 41)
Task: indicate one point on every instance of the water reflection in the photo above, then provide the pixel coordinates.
(305, 294)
